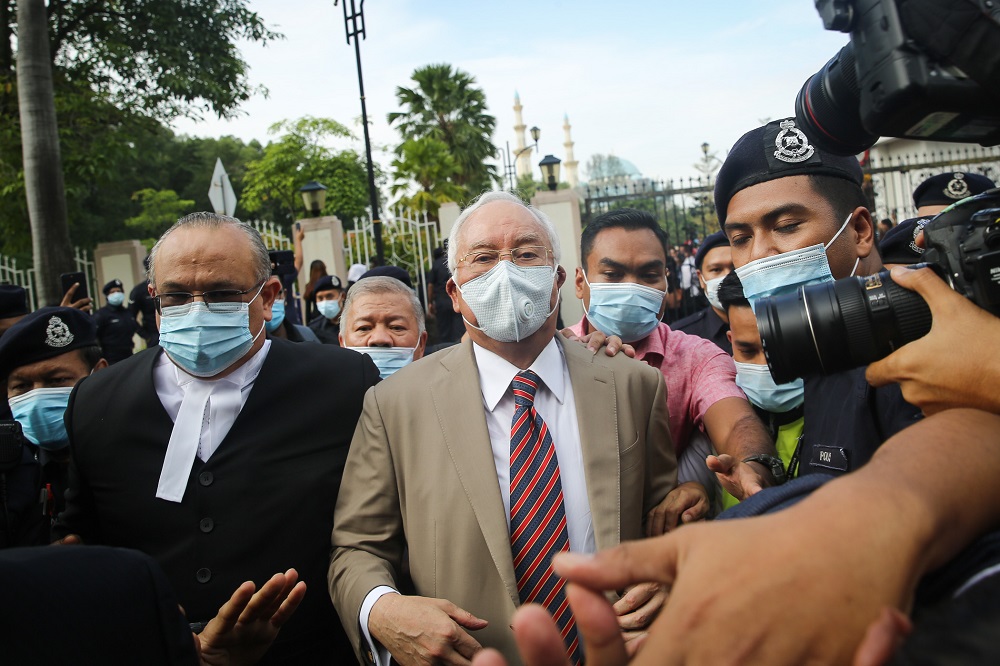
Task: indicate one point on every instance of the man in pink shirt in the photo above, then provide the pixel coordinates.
(623, 287)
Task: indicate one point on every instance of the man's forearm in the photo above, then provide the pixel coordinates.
(747, 437)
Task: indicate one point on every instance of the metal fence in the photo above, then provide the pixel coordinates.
(10, 273)
(685, 207)
(274, 237)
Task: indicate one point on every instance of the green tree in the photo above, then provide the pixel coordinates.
(427, 163)
(271, 183)
(160, 209)
(446, 105)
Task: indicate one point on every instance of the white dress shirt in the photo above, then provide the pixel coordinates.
(228, 395)
(554, 402)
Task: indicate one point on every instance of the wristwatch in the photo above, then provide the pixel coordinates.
(774, 464)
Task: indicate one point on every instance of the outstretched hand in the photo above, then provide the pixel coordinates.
(595, 340)
(248, 623)
(740, 479)
(85, 304)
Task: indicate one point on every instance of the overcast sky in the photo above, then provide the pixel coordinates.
(646, 80)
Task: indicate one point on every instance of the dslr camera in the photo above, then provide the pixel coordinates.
(922, 69)
(835, 326)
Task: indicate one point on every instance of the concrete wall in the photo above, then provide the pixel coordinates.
(324, 240)
(121, 260)
(563, 208)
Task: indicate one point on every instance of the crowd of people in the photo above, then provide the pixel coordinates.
(462, 481)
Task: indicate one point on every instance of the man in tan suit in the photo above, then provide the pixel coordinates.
(441, 463)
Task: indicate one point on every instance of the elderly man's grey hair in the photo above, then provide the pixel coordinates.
(261, 260)
(382, 284)
(491, 197)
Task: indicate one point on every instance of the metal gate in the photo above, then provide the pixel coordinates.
(25, 277)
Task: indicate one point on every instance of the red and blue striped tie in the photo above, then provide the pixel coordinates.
(537, 516)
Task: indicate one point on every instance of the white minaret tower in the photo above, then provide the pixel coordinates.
(569, 166)
(524, 158)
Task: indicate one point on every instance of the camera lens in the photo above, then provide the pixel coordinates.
(827, 328)
(828, 107)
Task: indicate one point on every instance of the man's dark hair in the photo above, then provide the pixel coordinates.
(91, 355)
(842, 195)
(731, 292)
(621, 218)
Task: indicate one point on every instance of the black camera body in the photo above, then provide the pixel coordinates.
(922, 69)
(831, 327)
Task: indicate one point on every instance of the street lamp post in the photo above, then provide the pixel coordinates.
(508, 164)
(314, 197)
(550, 171)
(354, 25)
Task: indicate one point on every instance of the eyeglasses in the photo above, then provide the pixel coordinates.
(217, 300)
(481, 261)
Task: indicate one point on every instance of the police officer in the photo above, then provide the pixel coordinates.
(115, 327)
(713, 262)
(329, 295)
(938, 192)
(141, 303)
(13, 308)
(796, 215)
(42, 357)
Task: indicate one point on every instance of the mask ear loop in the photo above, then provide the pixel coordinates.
(837, 235)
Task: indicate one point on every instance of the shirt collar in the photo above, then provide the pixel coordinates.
(496, 373)
(654, 346)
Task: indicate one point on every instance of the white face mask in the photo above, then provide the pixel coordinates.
(510, 302)
(712, 292)
(784, 273)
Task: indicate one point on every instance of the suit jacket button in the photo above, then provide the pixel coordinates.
(206, 478)
(203, 575)
(206, 525)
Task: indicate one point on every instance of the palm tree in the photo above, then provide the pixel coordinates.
(427, 163)
(43, 175)
(446, 105)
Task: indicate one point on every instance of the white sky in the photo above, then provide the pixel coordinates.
(646, 80)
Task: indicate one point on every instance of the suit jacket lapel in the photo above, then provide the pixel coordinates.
(458, 403)
(596, 412)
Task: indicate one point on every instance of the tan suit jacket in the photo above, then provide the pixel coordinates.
(420, 474)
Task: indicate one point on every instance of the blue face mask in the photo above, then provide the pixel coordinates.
(329, 309)
(204, 343)
(757, 383)
(784, 273)
(277, 316)
(40, 413)
(626, 309)
(116, 299)
(388, 359)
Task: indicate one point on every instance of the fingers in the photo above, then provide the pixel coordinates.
(638, 608)
(616, 568)
(232, 610)
(465, 645)
(463, 617)
(614, 346)
(289, 605)
(570, 335)
(597, 626)
(656, 522)
(924, 281)
(636, 597)
(594, 340)
(538, 639)
(489, 657)
(634, 640)
(883, 637)
(722, 464)
(266, 601)
(628, 350)
(68, 540)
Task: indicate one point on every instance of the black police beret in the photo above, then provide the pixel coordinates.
(43, 334)
(389, 271)
(899, 245)
(947, 188)
(776, 150)
(114, 284)
(13, 301)
(326, 283)
(711, 242)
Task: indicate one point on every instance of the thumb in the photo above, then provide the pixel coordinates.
(648, 560)
(464, 617)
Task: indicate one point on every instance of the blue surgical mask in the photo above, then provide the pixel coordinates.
(510, 302)
(277, 316)
(40, 413)
(626, 309)
(329, 309)
(116, 298)
(388, 359)
(757, 383)
(204, 343)
(784, 273)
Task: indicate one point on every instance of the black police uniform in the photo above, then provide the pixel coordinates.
(140, 302)
(327, 331)
(706, 323)
(115, 329)
(450, 326)
(847, 419)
